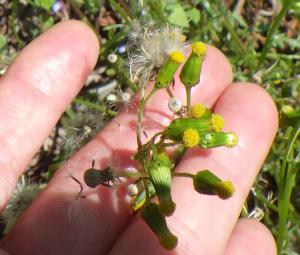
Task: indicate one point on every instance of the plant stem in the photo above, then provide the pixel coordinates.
(188, 99)
(140, 116)
(240, 46)
(131, 175)
(183, 175)
(286, 183)
(81, 15)
(12, 23)
(90, 104)
(169, 92)
(285, 6)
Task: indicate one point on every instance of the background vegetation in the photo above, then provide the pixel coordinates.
(261, 40)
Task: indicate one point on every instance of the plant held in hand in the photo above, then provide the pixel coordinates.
(192, 126)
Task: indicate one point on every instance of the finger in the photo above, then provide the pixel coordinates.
(34, 92)
(203, 223)
(250, 237)
(103, 215)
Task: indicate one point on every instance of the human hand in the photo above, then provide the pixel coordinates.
(34, 92)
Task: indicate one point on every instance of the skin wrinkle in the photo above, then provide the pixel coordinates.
(44, 80)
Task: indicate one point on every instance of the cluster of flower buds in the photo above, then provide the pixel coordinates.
(203, 128)
(194, 126)
(198, 126)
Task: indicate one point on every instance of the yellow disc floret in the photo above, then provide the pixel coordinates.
(217, 122)
(199, 49)
(197, 110)
(225, 189)
(190, 137)
(177, 56)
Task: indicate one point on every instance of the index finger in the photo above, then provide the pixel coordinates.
(35, 91)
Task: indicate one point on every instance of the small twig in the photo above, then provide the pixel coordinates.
(81, 187)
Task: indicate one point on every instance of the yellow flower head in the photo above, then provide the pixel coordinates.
(197, 110)
(190, 137)
(217, 122)
(177, 56)
(225, 189)
(199, 49)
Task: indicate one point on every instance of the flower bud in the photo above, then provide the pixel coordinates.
(205, 182)
(190, 73)
(157, 222)
(159, 170)
(177, 127)
(199, 111)
(216, 139)
(167, 71)
(225, 189)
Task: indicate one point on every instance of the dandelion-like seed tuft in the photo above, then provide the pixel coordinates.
(80, 129)
(190, 137)
(149, 47)
(217, 122)
(22, 198)
(197, 110)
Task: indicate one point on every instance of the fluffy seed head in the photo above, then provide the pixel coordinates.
(190, 138)
(149, 47)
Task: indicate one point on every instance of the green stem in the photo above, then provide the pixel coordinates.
(188, 99)
(71, 114)
(140, 116)
(12, 24)
(169, 92)
(245, 211)
(286, 183)
(131, 175)
(90, 104)
(275, 25)
(81, 15)
(183, 175)
(240, 46)
(120, 10)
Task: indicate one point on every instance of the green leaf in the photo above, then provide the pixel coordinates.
(2, 42)
(44, 4)
(193, 14)
(177, 15)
